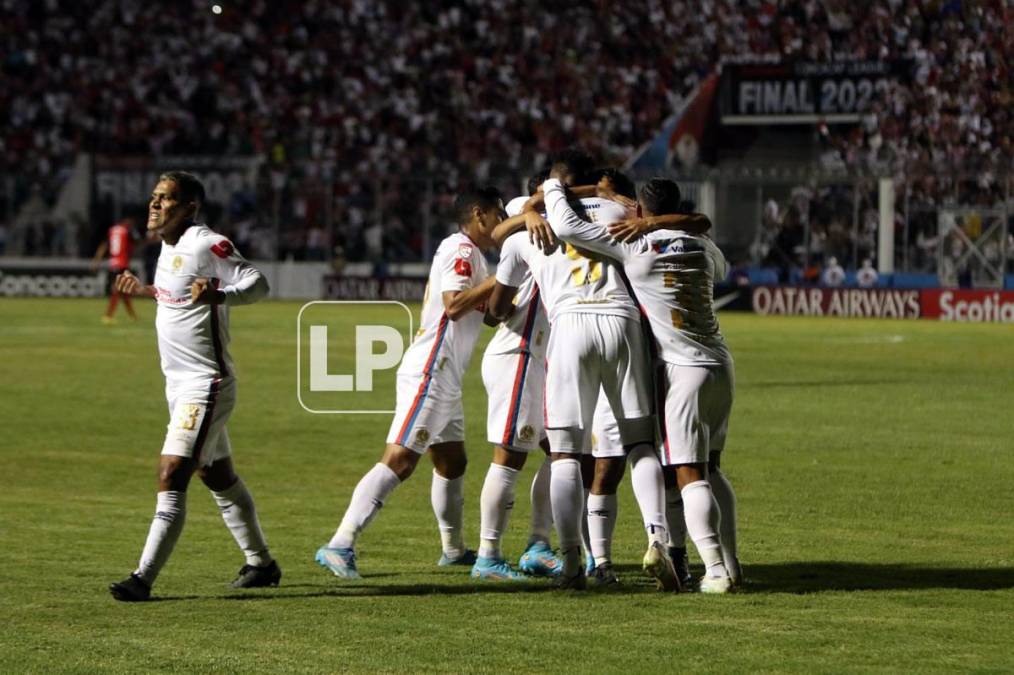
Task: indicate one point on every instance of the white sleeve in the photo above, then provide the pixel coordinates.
(511, 269)
(719, 261)
(458, 271)
(575, 230)
(242, 283)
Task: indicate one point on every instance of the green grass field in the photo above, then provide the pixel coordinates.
(871, 460)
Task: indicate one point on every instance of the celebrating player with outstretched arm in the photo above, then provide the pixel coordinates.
(672, 273)
(429, 413)
(199, 276)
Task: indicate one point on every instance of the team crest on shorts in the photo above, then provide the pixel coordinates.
(527, 434)
(422, 437)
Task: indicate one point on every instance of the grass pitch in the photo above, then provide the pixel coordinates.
(871, 460)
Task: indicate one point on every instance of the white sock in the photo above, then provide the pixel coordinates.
(170, 513)
(367, 499)
(585, 535)
(702, 518)
(601, 523)
(542, 509)
(448, 499)
(495, 505)
(675, 518)
(566, 494)
(726, 498)
(240, 516)
(649, 490)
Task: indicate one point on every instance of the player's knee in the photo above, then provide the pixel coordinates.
(608, 474)
(450, 465)
(512, 459)
(400, 460)
(174, 473)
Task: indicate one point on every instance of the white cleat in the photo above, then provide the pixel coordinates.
(715, 585)
(658, 565)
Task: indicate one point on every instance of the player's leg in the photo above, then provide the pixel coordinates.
(447, 496)
(369, 496)
(677, 527)
(587, 460)
(407, 439)
(506, 398)
(607, 450)
(572, 387)
(686, 444)
(239, 513)
(114, 297)
(628, 388)
(193, 429)
(539, 558)
(719, 411)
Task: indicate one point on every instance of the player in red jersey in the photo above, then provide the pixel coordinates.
(119, 244)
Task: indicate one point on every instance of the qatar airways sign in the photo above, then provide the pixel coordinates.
(883, 303)
(968, 306)
(842, 302)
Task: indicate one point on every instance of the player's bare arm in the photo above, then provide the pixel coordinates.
(458, 304)
(635, 228)
(539, 231)
(501, 300)
(128, 284)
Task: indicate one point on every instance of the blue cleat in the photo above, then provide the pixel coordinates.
(495, 569)
(589, 565)
(538, 560)
(341, 561)
(466, 558)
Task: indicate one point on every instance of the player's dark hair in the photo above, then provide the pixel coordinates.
(687, 206)
(191, 189)
(485, 197)
(577, 162)
(536, 180)
(621, 182)
(661, 196)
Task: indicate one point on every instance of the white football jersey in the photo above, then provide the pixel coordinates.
(193, 340)
(527, 328)
(441, 346)
(567, 280)
(672, 274)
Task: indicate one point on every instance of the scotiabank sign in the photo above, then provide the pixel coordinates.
(962, 305)
(886, 303)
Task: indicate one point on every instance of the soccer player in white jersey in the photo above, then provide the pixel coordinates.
(595, 342)
(199, 276)
(429, 414)
(672, 273)
(514, 374)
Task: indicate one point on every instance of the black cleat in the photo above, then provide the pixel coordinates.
(131, 589)
(682, 564)
(258, 577)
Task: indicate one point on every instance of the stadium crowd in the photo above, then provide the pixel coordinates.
(375, 106)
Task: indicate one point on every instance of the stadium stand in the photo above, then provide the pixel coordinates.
(366, 105)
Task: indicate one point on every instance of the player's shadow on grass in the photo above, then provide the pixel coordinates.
(822, 576)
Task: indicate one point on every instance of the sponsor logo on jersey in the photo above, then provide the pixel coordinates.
(223, 249)
(463, 267)
(177, 263)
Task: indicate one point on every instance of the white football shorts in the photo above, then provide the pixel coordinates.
(426, 413)
(696, 404)
(198, 412)
(515, 387)
(588, 353)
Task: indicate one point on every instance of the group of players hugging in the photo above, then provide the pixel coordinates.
(607, 351)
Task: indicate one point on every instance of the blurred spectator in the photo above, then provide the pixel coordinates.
(866, 276)
(834, 274)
